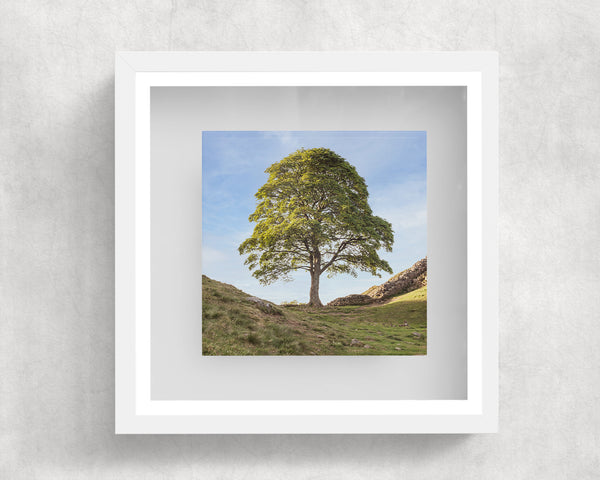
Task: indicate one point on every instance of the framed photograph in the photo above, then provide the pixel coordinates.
(306, 242)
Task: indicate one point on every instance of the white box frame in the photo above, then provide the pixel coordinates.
(136, 72)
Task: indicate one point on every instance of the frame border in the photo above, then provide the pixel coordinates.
(135, 73)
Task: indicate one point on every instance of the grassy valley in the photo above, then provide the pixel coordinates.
(235, 323)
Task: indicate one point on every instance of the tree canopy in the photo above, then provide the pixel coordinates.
(312, 214)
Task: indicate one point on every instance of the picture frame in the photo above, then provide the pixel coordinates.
(139, 410)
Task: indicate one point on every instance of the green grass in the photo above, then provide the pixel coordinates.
(233, 325)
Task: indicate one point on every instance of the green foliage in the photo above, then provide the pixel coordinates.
(313, 215)
(292, 303)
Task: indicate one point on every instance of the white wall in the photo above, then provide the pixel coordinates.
(56, 236)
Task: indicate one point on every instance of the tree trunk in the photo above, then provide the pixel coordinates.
(314, 289)
(315, 274)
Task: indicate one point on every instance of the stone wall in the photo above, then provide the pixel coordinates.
(352, 300)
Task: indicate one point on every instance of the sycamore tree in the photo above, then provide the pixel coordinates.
(313, 215)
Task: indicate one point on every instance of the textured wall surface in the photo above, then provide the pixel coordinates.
(56, 235)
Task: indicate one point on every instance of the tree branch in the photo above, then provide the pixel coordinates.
(342, 246)
(292, 252)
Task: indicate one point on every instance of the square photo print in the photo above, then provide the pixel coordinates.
(314, 243)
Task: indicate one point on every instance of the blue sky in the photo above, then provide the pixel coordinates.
(393, 163)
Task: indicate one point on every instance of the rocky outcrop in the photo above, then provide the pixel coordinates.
(264, 306)
(403, 282)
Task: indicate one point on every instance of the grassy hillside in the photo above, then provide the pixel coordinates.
(232, 324)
